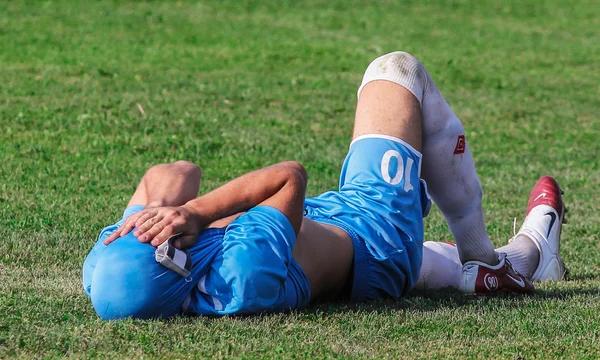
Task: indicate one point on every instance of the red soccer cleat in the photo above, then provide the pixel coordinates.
(543, 225)
(480, 278)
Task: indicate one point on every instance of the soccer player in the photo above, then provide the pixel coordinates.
(257, 245)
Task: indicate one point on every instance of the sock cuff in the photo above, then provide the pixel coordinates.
(398, 67)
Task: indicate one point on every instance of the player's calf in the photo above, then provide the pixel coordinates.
(441, 266)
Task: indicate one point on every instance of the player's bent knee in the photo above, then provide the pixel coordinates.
(398, 67)
(399, 63)
(402, 58)
(187, 167)
(180, 167)
(128, 283)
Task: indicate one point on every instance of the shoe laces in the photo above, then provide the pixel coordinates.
(514, 230)
(510, 265)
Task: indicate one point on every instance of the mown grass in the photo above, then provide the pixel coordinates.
(235, 85)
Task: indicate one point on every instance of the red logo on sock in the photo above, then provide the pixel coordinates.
(460, 145)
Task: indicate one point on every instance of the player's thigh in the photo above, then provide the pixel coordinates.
(389, 109)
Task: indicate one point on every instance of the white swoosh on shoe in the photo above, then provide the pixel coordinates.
(518, 281)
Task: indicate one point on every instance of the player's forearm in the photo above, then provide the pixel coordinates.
(245, 192)
(280, 186)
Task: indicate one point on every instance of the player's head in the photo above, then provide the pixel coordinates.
(128, 282)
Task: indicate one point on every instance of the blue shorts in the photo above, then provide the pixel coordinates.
(380, 204)
(244, 268)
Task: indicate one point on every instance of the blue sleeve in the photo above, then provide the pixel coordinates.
(257, 251)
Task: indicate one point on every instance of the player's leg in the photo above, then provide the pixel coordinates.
(388, 109)
(381, 176)
(123, 279)
(168, 185)
(441, 267)
(533, 252)
(448, 166)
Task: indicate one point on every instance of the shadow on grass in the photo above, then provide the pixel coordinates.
(421, 301)
(432, 300)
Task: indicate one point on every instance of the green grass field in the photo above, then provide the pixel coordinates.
(236, 85)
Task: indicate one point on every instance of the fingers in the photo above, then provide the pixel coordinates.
(129, 224)
(147, 223)
(145, 217)
(157, 227)
(154, 226)
(168, 231)
(125, 228)
(112, 237)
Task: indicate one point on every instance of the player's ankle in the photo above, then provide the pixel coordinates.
(524, 254)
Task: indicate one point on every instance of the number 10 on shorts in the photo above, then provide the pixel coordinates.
(402, 171)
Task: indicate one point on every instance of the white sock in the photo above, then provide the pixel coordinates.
(523, 254)
(522, 251)
(441, 266)
(448, 166)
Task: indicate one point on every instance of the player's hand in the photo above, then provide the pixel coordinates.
(156, 225)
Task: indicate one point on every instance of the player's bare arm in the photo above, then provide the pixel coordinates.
(281, 186)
